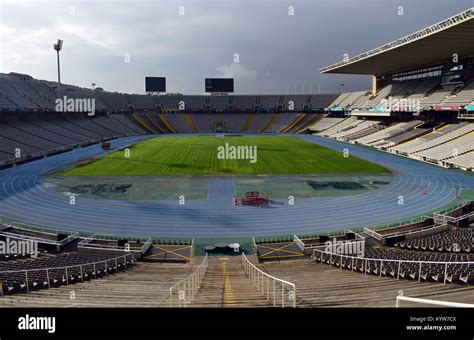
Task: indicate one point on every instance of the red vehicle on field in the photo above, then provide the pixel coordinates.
(253, 198)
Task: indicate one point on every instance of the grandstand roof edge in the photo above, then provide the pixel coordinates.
(453, 21)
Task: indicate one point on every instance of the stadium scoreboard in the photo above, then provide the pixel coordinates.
(155, 84)
(219, 85)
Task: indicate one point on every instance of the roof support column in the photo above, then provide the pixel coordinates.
(375, 84)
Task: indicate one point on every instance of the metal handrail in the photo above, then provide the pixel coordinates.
(267, 284)
(86, 243)
(303, 246)
(27, 238)
(378, 236)
(391, 225)
(417, 230)
(366, 260)
(68, 239)
(21, 225)
(187, 288)
(146, 246)
(255, 248)
(400, 297)
(298, 242)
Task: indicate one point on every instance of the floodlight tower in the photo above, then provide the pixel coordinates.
(57, 47)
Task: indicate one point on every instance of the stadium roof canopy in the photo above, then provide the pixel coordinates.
(427, 47)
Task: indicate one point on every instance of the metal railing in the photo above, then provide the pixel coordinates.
(373, 234)
(21, 225)
(274, 288)
(435, 228)
(400, 297)
(68, 239)
(366, 261)
(146, 246)
(87, 243)
(372, 229)
(451, 219)
(255, 248)
(38, 239)
(379, 237)
(116, 260)
(466, 116)
(298, 242)
(184, 291)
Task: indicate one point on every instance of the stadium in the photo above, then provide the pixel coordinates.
(350, 199)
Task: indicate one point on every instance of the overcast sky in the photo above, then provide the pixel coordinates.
(115, 44)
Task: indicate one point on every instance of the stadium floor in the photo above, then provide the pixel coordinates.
(23, 197)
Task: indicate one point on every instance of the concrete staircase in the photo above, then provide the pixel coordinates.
(320, 285)
(144, 285)
(226, 285)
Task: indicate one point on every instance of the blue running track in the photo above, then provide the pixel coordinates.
(23, 197)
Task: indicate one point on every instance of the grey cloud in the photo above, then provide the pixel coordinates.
(277, 51)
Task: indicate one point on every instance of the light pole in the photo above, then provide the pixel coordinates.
(57, 47)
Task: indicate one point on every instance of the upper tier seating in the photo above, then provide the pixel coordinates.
(24, 88)
(244, 102)
(270, 102)
(349, 100)
(116, 101)
(141, 102)
(299, 102)
(169, 102)
(382, 94)
(219, 102)
(436, 97)
(195, 102)
(18, 97)
(321, 101)
(424, 87)
(464, 97)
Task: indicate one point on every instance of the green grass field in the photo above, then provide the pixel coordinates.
(198, 155)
